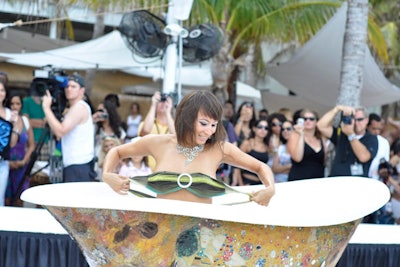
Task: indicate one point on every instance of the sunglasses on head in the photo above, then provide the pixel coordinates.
(309, 118)
(265, 127)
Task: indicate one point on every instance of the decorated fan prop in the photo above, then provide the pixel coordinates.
(204, 42)
(143, 33)
(307, 223)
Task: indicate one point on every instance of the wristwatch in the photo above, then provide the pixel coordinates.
(352, 137)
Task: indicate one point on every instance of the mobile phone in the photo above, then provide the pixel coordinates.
(104, 116)
(300, 121)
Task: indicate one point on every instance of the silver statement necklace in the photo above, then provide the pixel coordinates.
(189, 152)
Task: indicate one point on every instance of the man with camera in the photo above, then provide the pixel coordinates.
(354, 146)
(76, 131)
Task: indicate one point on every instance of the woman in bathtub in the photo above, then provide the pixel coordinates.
(187, 161)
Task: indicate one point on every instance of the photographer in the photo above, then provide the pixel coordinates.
(159, 118)
(76, 131)
(107, 124)
(390, 213)
(354, 146)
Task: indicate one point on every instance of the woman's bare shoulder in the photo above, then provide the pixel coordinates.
(160, 137)
(154, 140)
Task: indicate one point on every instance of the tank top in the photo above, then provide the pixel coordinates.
(311, 166)
(78, 144)
(261, 156)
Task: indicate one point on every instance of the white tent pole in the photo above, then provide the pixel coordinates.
(171, 57)
(178, 10)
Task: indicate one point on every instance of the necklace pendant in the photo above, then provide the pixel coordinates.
(189, 152)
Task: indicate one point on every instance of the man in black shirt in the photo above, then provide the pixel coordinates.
(354, 146)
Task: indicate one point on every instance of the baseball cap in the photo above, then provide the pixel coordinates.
(77, 78)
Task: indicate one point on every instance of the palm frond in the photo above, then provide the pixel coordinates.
(377, 40)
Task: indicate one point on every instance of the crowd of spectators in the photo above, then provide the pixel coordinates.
(296, 144)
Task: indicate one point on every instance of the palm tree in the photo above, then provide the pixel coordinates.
(247, 24)
(353, 58)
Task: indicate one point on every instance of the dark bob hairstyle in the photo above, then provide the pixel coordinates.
(186, 115)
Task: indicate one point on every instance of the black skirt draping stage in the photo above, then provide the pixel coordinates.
(371, 255)
(19, 249)
(33, 238)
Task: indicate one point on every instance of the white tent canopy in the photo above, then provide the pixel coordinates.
(108, 52)
(313, 72)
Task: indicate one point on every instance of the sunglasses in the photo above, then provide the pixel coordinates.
(263, 127)
(276, 124)
(309, 118)
(287, 129)
(359, 119)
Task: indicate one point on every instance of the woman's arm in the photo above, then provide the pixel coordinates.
(295, 143)
(234, 156)
(30, 146)
(140, 147)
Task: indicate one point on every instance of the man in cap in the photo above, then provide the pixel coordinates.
(76, 131)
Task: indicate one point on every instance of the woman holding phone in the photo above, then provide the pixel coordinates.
(306, 148)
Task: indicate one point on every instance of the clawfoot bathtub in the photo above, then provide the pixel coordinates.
(307, 223)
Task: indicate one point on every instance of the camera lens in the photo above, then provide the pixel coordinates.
(163, 97)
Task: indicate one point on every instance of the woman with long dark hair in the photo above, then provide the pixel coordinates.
(307, 148)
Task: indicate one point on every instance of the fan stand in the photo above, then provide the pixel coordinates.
(178, 11)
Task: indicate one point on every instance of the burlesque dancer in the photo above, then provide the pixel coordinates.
(187, 161)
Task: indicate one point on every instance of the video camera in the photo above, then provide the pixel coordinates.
(53, 80)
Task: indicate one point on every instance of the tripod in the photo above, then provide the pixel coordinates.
(54, 163)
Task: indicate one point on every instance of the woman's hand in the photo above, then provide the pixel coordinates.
(263, 196)
(298, 129)
(246, 113)
(14, 116)
(156, 98)
(47, 100)
(118, 183)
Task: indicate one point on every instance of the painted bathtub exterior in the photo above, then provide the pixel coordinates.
(131, 238)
